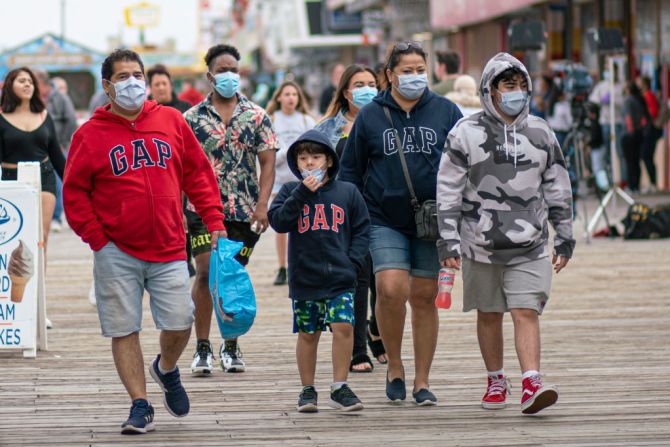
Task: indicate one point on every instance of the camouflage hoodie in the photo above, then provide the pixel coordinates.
(499, 184)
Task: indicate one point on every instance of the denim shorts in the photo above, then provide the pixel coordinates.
(120, 280)
(317, 315)
(392, 250)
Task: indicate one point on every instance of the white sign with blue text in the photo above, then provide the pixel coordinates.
(19, 257)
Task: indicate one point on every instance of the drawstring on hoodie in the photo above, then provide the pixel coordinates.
(515, 144)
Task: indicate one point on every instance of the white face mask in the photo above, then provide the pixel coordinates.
(317, 173)
(130, 93)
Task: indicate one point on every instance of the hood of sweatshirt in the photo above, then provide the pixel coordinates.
(318, 137)
(496, 65)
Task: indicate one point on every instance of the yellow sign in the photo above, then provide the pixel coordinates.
(142, 15)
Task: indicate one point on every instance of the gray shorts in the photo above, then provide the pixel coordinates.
(499, 288)
(120, 280)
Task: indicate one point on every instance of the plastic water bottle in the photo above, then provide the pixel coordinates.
(445, 283)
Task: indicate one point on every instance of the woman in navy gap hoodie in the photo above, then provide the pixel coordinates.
(371, 162)
(328, 224)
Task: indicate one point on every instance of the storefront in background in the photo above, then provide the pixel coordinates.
(78, 65)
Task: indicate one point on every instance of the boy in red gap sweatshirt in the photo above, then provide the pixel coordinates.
(127, 168)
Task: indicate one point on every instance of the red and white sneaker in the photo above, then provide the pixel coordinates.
(535, 396)
(496, 392)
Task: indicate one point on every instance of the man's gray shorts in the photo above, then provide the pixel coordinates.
(120, 280)
(499, 288)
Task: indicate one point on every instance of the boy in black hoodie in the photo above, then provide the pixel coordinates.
(327, 221)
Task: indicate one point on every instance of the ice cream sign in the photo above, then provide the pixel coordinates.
(19, 261)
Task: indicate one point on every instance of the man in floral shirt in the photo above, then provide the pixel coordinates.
(235, 133)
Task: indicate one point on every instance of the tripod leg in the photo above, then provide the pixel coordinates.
(601, 209)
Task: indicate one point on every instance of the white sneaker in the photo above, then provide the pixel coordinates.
(56, 226)
(202, 361)
(91, 295)
(231, 360)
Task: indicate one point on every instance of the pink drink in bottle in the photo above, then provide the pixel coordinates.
(445, 283)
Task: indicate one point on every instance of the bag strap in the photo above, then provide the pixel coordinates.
(403, 162)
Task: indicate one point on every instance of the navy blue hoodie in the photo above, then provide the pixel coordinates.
(371, 161)
(328, 230)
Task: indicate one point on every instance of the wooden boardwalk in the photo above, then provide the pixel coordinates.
(606, 339)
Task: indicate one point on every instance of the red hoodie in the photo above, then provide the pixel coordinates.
(123, 182)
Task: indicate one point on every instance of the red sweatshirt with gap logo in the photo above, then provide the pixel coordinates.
(124, 179)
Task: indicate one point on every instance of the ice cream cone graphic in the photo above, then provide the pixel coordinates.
(18, 287)
(20, 268)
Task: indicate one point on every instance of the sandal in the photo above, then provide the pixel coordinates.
(361, 359)
(376, 346)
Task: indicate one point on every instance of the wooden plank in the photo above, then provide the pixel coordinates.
(605, 343)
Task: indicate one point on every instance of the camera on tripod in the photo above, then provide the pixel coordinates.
(577, 84)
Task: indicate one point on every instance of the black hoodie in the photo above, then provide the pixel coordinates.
(328, 230)
(371, 161)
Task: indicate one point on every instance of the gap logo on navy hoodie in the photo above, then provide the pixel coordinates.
(328, 230)
(371, 162)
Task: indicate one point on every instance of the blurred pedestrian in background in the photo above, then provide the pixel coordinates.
(637, 122)
(465, 95)
(653, 132)
(28, 133)
(446, 71)
(161, 88)
(62, 112)
(189, 93)
(328, 92)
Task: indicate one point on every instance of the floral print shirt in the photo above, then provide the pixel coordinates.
(232, 148)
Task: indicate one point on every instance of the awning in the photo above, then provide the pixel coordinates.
(457, 13)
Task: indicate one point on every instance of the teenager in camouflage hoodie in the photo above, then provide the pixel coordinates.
(502, 179)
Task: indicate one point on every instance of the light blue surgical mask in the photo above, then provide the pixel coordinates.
(362, 96)
(512, 103)
(317, 173)
(226, 83)
(130, 93)
(411, 86)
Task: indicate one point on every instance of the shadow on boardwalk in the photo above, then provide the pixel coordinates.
(606, 344)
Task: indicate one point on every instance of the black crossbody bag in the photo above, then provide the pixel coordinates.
(425, 214)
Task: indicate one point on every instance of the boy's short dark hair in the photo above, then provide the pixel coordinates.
(450, 59)
(218, 50)
(507, 75)
(119, 55)
(310, 147)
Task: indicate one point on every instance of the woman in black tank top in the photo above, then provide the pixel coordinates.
(27, 133)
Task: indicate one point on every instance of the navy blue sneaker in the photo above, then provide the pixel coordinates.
(141, 419)
(424, 397)
(395, 389)
(175, 398)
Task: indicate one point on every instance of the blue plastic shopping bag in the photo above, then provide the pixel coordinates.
(233, 295)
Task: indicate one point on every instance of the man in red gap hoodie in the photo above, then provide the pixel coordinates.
(127, 168)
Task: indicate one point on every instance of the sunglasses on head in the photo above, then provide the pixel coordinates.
(405, 46)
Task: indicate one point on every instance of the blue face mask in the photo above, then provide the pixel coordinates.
(226, 83)
(363, 95)
(130, 93)
(512, 103)
(411, 86)
(317, 173)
